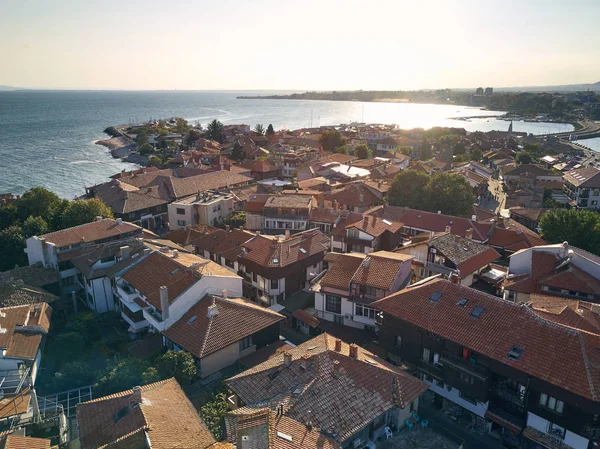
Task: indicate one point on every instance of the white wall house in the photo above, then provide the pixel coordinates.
(209, 208)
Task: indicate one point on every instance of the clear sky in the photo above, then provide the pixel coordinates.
(297, 45)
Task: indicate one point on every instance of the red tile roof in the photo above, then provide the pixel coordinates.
(23, 329)
(236, 319)
(22, 442)
(91, 232)
(562, 356)
(341, 402)
(351, 196)
(306, 317)
(380, 269)
(166, 418)
(341, 269)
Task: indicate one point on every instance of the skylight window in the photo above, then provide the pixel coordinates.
(285, 436)
(436, 296)
(387, 222)
(515, 352)
(276, 260)
(192, 319)
(462, 302)
(477, 311)
(175, 270)
(302, 250)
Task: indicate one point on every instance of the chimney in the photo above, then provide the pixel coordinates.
(241, 228)
(305, 361)
(245, 442)
(212, 309)
(98, 218)
(361, 197)
(448, 229)
(336, 368)
(124, 252)
(137, 395)
(164, 302)
(338, 345)
(227, 228)
(353, 351)
(309, 419)
(473, 217)
(287, 358)
(175, 254)
(335, 205)
(439, 212)
(287, 234)
(469, 234)
(119, 220)
(224, 293)
(257, 232)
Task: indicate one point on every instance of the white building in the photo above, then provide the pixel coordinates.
(210, 208)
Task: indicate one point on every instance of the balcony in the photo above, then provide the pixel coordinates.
(513, 397)
(461, 364)
(431, 369)
(125, 292)
(154, 318)
(439, 268)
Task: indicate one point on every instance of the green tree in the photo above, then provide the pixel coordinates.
(8, 216)
(67, 346)
(85, 324)
(409, 189)
(523, 158)
(141, 139)
(476, 154)
(214, 130)
(34, 226)
(237, 152)
(123, 375)
(12, 246)
(406, 150)
(238, 219)
(85, 211)
(330, 139)
(192, 137)
(155, 161)
(73, 374)
(581, 228)
(213, 413)
(150, 376)
(270, 131)
(362, 151)
(342, 150)
(37, 202)
(450, 193)
(145, 149)
(259, 129)
(178, 364)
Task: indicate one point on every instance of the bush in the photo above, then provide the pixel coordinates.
(178, 364)
(213, 412)
(73, 375)
(123, 375)
(68, 346)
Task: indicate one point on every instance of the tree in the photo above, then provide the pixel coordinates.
(476, 154)
(155, 161)
(409, 189)
(67, 346)
(141, 139)
(73, 374)
(342, 150)
(191, 137)
(12, 246)
(238, 219)
(37, 202)
(523, 158)
(450, 193)
(85, 211)
(406, 150)
(145, 149)
(362, 151)
(8, 216)
(34, 226)
(581, 228)
(330, 139)
(259, 129)
(237, 152)
(213, 413)
(178, 364)
(214, 130)
(123, 375)
(270, 131)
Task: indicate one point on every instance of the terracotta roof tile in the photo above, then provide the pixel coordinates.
(351, 196)
(341, 269)
(327, 386)
(22, 442)
(380, 269)
(306, 317)
(236, 319)
(562, 356)
(166, 417)
(91, 232)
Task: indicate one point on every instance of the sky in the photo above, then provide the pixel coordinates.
(297, 45)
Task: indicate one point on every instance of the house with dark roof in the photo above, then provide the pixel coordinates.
(222, 246)
(527, 216)
(163, 284)
(355, 197)
(532, 380)
(219, 330)
(555, 270)
(345, 393)
(582, 186)
(353, 281)
(287, 213)
(275, 268)
(157, 416)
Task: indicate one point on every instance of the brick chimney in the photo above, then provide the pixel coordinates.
(305, 361)
(338, 345)
(136, 395)
(124, 252)
(287, 358)
(212, 309)
(448, 229)
(336, 368)
(287, 234)
(469, 234)
(353, 351)
(224, 293)
(164, 302)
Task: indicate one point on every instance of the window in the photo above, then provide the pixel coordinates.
(274, 284)
(594, 203)
(254, 277)
(367, 312)
(107, 259)
(467, 398)
(596, 192)
(551, 403)
(245, 343)
(333, 304)
(180, 211)
(466, 378)
(556, 431)
(180, 222)
(398, 342)
(353, 233)
(426, 355)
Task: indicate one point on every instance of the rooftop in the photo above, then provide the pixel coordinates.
(91, 232)
(584, 177)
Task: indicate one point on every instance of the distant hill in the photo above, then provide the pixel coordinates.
(7, 88)
(563, 88)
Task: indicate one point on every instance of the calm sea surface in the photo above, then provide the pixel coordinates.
(47, 137)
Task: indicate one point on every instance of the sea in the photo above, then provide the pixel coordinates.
(47, 138)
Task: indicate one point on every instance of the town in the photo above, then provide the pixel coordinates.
(351, 286)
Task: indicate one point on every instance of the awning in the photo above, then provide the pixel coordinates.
(306, 317)
(277, 308)
(544, 439)
(503, 422)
